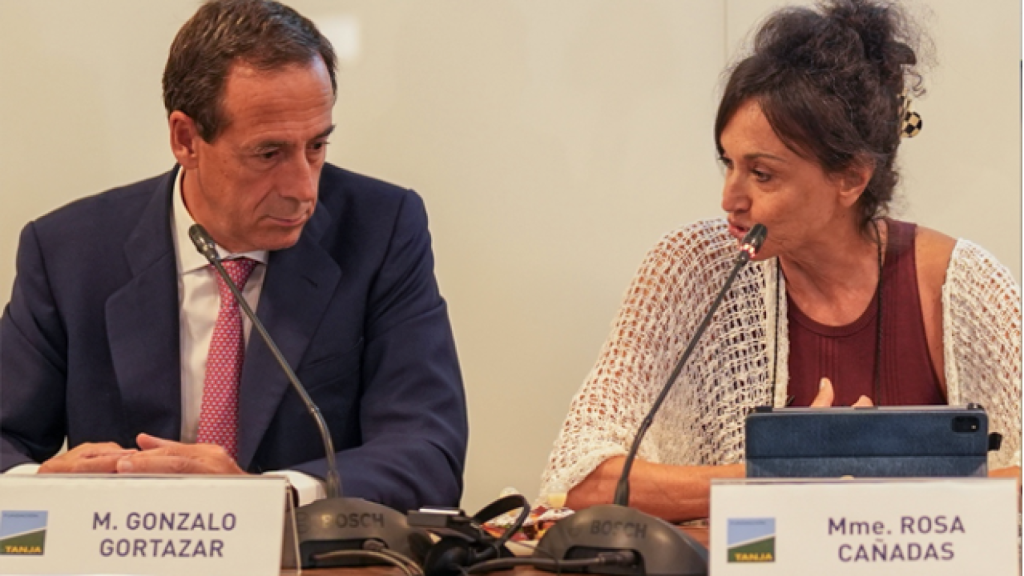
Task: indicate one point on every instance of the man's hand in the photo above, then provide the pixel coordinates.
(159, 456)
(826, 395)
(87, 459)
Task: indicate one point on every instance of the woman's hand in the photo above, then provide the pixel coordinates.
(826, 395)
(674, 493)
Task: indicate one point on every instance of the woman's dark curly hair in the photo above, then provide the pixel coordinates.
(830, 80)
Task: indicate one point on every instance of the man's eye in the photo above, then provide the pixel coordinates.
(268, 155)
(319, 145)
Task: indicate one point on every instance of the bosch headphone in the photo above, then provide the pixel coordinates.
(465, 543)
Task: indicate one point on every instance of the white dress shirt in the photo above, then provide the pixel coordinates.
(198, 304)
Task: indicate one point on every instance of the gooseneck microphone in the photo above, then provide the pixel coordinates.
(336, 531)
(752, 242)
(661, 548)
(201, 238)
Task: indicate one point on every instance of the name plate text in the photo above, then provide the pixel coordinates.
(840, 527)
(154, 525)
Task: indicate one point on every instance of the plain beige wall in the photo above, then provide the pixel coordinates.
(553, 140)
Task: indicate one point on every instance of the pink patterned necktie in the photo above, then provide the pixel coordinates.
(218, 418)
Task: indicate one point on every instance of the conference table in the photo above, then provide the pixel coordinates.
(698, 532)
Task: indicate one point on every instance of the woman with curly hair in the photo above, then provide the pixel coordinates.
(843, 306)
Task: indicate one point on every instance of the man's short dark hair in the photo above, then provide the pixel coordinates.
(259, 33)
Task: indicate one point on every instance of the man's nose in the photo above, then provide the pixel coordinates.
(300, 180)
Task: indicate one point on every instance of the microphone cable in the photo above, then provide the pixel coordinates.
(617, 558)
(376, 550)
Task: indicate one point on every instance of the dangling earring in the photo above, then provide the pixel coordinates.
(910, 121)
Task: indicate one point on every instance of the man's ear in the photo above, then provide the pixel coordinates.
(853, 182)
(184, 139)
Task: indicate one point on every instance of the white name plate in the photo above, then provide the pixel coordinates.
(152, 525)
(864, 526)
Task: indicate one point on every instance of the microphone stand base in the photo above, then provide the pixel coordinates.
(661, 548)
(337, 524)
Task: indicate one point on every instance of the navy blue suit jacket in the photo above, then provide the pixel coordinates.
(89, 343)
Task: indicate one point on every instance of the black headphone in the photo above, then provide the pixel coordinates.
(466, 543)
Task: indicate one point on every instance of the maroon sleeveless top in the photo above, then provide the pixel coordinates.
(846, 354)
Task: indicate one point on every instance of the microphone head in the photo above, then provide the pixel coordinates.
(204, 244)
(754, 239)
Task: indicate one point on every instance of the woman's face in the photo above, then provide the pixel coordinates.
(767, 183)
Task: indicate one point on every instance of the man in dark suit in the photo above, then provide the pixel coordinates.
(119, 338)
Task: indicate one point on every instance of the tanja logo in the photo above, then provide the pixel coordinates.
(22, 532)
(751, 539)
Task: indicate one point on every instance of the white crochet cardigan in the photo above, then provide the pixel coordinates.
(730, 371)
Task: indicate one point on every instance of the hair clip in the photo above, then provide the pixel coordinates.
(910, 121)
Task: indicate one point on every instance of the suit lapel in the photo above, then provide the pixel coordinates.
(143, 325)
(297, 289)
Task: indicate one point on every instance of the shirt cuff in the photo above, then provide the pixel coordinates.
(23, 469)
(308, 488)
